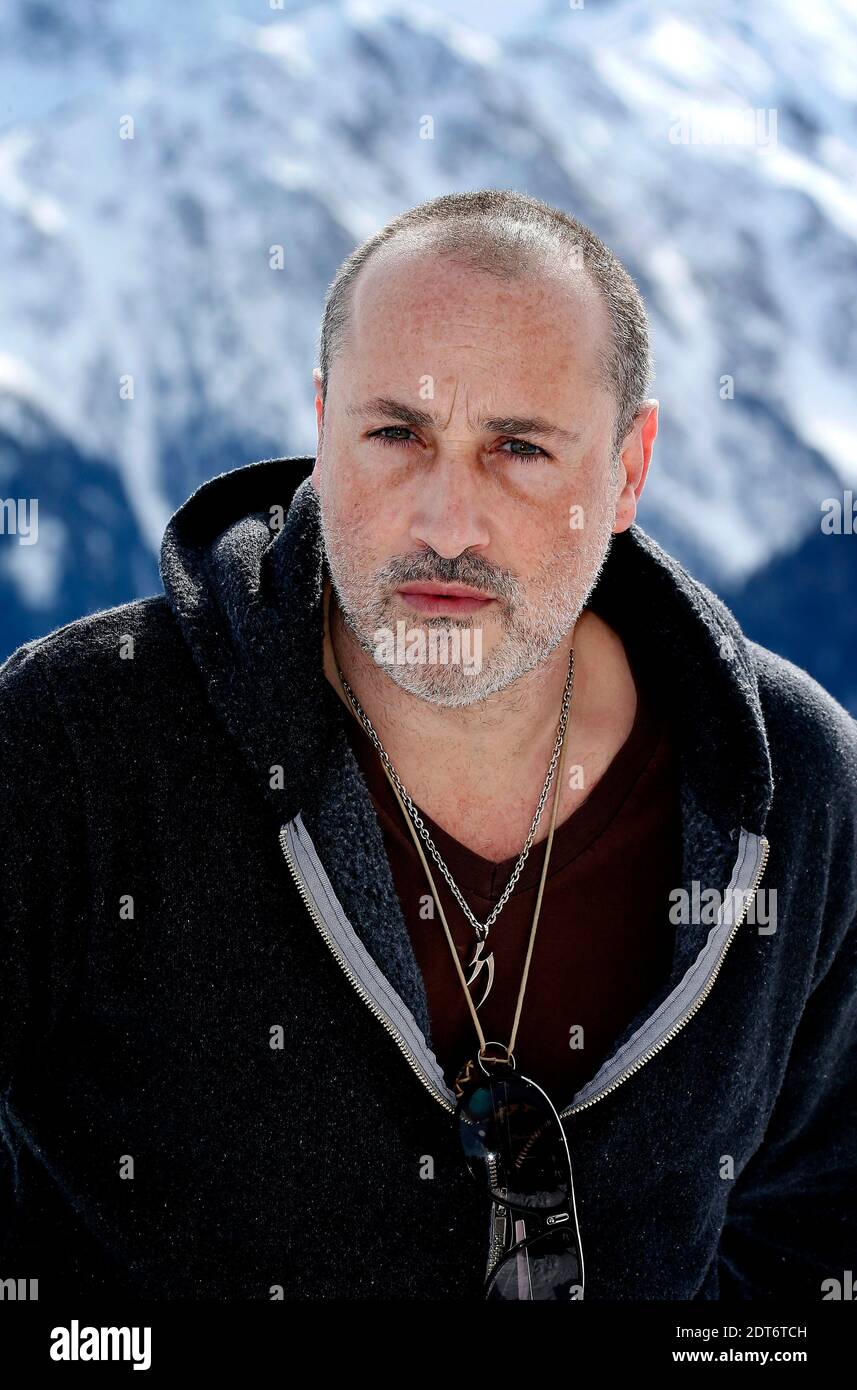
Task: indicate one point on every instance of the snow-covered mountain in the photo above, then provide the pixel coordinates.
(146, 261)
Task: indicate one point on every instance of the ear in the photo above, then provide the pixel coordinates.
(635, 458)
(319, 423)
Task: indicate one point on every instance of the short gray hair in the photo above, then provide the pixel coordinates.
(504, 233)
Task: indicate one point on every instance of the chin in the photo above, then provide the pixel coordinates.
(458, 691)
(424, 682)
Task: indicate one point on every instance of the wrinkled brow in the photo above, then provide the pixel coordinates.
(491, 424)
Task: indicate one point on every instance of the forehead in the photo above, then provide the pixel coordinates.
(420, 312)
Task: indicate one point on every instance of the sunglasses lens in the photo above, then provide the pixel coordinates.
(547, 1267)
(512, 1138)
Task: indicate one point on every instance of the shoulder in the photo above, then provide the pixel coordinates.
(812, 743)
(801, 716)
(99, 660)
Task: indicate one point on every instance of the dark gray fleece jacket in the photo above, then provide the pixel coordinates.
(216, 1075)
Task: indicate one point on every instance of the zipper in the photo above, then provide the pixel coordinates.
(413, 1061)
(367, 998)
(677, 1027)
(497, 1241)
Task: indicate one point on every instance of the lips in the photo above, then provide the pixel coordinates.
(444, 598)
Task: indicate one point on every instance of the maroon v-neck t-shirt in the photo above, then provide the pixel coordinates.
(604, 941)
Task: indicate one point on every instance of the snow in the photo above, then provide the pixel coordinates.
(147, 259)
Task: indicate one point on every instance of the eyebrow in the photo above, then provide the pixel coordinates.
(493, 424)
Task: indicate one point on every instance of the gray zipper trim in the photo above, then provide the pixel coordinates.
(696, 977)
(361, 963)
(390, 1003)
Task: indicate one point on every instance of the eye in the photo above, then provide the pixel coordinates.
(384, 434)
(382, 438)
(527, 445)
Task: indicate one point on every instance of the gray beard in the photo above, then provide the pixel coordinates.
(527, 639)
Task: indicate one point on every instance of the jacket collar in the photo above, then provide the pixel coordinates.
(247, 595)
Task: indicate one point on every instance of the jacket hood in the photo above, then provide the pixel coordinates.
(243, 565)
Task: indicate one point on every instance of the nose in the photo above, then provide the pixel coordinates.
(451, 512)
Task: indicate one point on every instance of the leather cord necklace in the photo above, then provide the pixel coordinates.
(482, 1041)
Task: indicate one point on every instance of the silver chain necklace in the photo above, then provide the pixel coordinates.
(481, 928)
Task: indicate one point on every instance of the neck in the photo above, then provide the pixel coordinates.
(491, 757)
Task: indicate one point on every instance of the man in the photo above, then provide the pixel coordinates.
(253, 830)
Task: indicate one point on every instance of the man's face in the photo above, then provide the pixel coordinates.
(425, 476)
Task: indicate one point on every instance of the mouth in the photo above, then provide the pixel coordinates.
(444, 598)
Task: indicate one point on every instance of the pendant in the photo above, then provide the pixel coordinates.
(464, 1077)
(478, 963)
